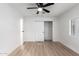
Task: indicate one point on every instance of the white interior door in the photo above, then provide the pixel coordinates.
(39, 31)
(33, 31)
(21, 31)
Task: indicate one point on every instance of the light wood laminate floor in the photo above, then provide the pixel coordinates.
(43, 49)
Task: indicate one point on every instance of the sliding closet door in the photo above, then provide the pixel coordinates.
(39, 31)
(33, 31)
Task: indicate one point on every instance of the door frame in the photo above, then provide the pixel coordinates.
(51, 31)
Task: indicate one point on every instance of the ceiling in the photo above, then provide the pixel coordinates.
(55, 10)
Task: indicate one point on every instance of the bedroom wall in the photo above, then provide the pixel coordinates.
(63, 26)
(9, 29)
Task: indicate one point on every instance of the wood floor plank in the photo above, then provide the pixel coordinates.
(43, 49)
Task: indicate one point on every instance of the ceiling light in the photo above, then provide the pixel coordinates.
(40, 9)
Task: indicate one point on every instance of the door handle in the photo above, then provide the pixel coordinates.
(22, 31)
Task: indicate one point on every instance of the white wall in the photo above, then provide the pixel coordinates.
(29, 21)
(63, 27)
(55, 29)
(9, 29)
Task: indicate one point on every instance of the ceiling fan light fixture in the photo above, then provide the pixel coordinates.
(40, 9)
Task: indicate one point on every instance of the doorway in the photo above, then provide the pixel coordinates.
(47, 30)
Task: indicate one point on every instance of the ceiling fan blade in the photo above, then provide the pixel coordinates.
(38, 4)
(46, 10)
(41, 4)
(37, 12)
(48, 4)
(32, 8)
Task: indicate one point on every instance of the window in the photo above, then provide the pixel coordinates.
(74, 27)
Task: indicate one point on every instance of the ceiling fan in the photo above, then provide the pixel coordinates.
(41, 7)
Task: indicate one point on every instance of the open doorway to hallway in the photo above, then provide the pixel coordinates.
(48, 31)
